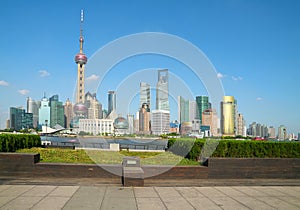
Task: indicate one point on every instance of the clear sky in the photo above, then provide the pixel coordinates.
(253, 44)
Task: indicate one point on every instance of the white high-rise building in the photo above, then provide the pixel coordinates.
(160, 122)
(162, 90)
(33, 107)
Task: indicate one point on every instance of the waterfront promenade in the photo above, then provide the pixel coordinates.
(105, 197)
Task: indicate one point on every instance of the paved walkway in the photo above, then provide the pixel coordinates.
(183, 198)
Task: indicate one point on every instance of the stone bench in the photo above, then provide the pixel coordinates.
(132, 173)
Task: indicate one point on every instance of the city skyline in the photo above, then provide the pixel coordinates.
(256, 55)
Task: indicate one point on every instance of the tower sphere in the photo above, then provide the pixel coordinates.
(81, 58)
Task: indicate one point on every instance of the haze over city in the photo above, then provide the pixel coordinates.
(254, 46)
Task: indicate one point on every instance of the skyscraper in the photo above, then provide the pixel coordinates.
(80, 60)
(33, 107)
(282, 133)
(210, 118)
(162, 90)
(160, 122)
(112, 102)
(144, 119)
(183, 110)
(241, 128)
(145, 94)
(228, 109)
(19, 119)
(272, 132)
(68, 110)
(44, 112)
(93, 106)
(57, 116)
(202, 104)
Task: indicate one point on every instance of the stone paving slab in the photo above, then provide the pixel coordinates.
(42, 197)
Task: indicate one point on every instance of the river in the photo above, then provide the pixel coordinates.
(103, 143)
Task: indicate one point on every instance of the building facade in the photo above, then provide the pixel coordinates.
(202, 105)
(282, 133)
(240, 125)
(144, 119)
(209, 119)
(228, 118)
(57, 116)
(112, 102)
(44, 112)
(145, 94)
(19, 119)
(160, 122)
(94, 107)
(183, 110)
(33, 107)
(68, 110)
(97, 126)
(162, 90)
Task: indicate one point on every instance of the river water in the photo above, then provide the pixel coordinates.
(103, 143)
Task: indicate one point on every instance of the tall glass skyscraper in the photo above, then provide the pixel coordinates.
(112, 102)
(228, 115)
(145, 94)
(183, 110)
(57, 116)
(162, 90)
(44, 112)
(202, 105)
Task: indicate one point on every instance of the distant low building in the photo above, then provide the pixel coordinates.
(96, 126)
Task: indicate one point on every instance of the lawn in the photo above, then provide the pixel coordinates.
(52, 155)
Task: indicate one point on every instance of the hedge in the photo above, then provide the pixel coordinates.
(192, 149)
(13, 142)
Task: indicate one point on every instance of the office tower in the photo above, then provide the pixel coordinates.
(202, 104)
(136, 123)
(183, 110)
(228, 109)
(68, 110)
(282, 133)
(145, 94)
(209, 119)
(240, 128)
(272, 132)
(130, 120)
(44, 112)
(94, 107)
(162, 90)
(144, 119)
(112, 105)
(33, 107)
(81, 60)
(57, 116)
(160, 122)
(19, 119)
(192, 110)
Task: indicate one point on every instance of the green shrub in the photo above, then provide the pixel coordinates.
(13, 142)
(194, 149)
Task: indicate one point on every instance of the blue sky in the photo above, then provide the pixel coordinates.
(254, 46)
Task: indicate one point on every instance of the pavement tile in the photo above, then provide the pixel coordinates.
(4, 187)
(230, 191)
(291, 200)
(253, 203)
(210, 192)
(67, 191)
(277, 203)
(145, 192)
(249, 191)
(227, 203)
(172, 199)
(150, 203)
(4, 200)
(202, 203)
(39, 191)
(15, 190)
(51, 203)
(86, 197)
(119, 192)
(124, 203)
(189, 192)
(288, 190)
(269, 192)
(21, 203)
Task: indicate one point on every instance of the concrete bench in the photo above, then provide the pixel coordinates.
(132, 173)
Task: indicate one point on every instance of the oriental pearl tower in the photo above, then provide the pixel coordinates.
(80, 109)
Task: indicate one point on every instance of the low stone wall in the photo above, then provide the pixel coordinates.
(265, 168)
(17, 165)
